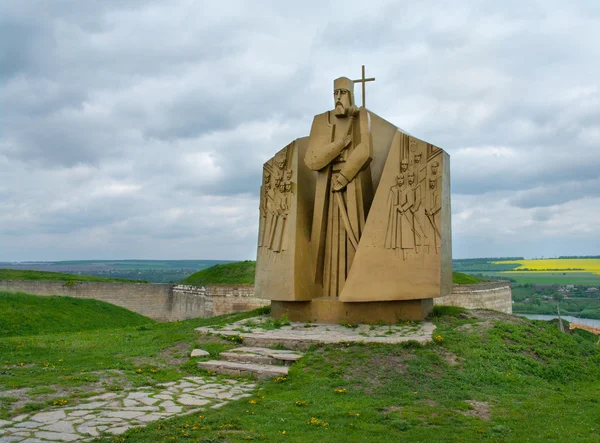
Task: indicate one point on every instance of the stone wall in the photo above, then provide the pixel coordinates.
(162, 302)
(216, 300)
(495, 295)
(167, 302)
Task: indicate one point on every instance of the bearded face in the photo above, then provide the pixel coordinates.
(342, 102)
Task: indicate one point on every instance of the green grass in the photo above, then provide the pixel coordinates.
(547, 278)
(531, 382)
(238, 273)
(463, 279)
(16, 274)
(24, 314)
(100, 360)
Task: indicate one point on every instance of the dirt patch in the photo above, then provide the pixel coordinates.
(481, 409)
(391, 410)
(477, 328)
(449, 357)
(108, 380)
(28, 365)
(375, 371)
(495, 315)
(176, 355)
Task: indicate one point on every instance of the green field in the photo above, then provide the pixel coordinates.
(237, 273)
(155, 271)
(16, 274)
(545, 278)
(459, 278)
(161, 271)
(487, 376)
(24, 314)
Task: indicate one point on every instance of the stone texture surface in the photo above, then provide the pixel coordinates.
(303, 335)
(199, 353)
(496, 296)
(235, 368)
(115, 413)
(259, 355)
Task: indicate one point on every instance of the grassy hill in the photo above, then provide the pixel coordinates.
(459, 278)
(24, 314)
(17, 274)
(487, 376)
(238, 273)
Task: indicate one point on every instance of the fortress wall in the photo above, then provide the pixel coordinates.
(162, 302)
(496, 296)
(146, 299)
(213, 300)
(167, 302)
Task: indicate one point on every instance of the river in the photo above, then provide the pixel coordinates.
(582, 321)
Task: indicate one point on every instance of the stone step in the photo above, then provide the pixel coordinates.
(262, 356)
(236, 368)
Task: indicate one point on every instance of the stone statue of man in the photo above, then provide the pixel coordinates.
(340, 149)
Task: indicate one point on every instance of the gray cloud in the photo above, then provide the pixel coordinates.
(139, 129)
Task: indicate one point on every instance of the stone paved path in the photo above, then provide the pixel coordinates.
(302, 335)
(114, 413)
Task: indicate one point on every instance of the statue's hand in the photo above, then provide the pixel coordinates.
(347, 140)
(339, 183)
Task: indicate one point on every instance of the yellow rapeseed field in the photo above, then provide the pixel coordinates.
(563, 264)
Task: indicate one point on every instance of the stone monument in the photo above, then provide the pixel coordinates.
(354, 220)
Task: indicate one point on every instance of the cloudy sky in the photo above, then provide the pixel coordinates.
(138, 129)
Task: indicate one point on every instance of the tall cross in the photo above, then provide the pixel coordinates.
(364, 80)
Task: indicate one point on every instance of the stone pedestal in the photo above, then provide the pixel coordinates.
(332, 310)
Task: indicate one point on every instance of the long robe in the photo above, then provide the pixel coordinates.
(400, 228)
(332, 250)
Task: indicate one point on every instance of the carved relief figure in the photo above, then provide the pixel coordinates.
(340, 149)
(266, 198)
(393, 236)
(275, 202)
(421, 187)
(434, 205)
(404, 165)
(281, 210)
(416, 211)
(403, 228)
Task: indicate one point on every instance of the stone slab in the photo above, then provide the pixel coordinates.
(235, 368)
(302, 335)
(199, 353)
(49, 417)
(57, 436)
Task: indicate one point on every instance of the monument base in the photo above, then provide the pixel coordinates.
(331, 310)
